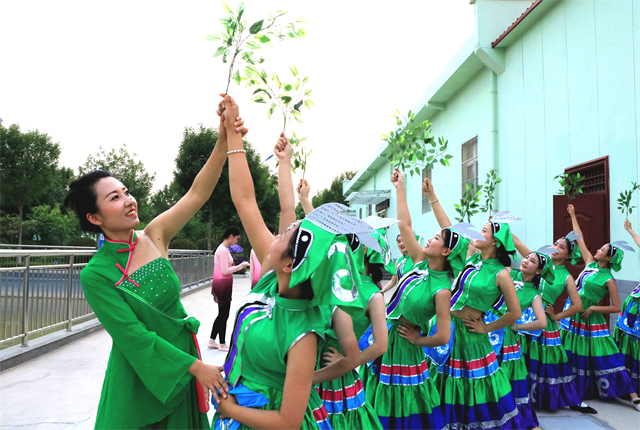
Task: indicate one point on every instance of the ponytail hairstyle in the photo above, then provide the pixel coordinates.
(503, 256)
(82, 198)
(450, 239)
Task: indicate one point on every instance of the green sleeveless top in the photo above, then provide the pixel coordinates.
(476, 285)
(591, 282)
(414, 299)
(551, 292)
(266, 327)
(404, 265)
(525, 290)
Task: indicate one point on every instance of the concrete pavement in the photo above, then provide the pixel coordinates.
(61, 389)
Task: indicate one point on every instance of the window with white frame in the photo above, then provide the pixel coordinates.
(426, 206)
(470, 164)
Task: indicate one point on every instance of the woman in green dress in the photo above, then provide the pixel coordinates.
(403, 264)
(272, 356)
(399, 386)
(154, 377)
(592, 353)
(343, 395)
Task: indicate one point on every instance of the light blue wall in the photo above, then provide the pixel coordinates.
(569, 94)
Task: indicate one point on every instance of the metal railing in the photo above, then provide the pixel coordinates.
(40, 290)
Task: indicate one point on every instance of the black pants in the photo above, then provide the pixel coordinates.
(220, 324)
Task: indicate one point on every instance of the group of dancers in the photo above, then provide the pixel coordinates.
(464, 342)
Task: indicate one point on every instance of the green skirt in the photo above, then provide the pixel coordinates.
(401, 392)
(344, 400)
(475, 392)
(594, 357)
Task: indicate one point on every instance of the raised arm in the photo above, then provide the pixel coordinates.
(586, 255)
(242, 191)
(285, 183)
(521, 247)
(438, 210)
(303, 195)
(627, 226)
(165, 226)
(406, 230)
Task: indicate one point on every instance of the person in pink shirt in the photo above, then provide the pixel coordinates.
(222, 286)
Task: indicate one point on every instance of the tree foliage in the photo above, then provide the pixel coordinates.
(469, 203)
(123, 166)
(490, 186)
(570, 183)
(624, 201)
(219, 212)
(236, 38)
(412, 148)
(50, 226)
(27, 163)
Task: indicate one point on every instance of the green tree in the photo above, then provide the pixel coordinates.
(51, 226)
(27, 163)
(333, 194)
(127, 170)
(219, 212)
(163, 199)
(60, 181)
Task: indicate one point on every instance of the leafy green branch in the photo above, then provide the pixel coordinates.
(235, 38)
(624, 201)
(570, 183)
(490, 186)
(299, 154)
(411, 146)
(469, 203)
(288, 98)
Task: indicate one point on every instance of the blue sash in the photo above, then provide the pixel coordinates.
(440, 354)
(246, 398)
(528, 316)
(496, 337)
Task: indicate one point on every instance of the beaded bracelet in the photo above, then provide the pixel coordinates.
(432, 202)
(235, 150)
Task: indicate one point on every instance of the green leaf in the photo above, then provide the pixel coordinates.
(307, 93)
(285, 98)
(263, 39)
(259, 99)
(220, 51)
(253, 45)
(302, 20)
(288, 87)
(226, 7)
(262, 90)
(271, 109)
(237, 77)
(297, 106)
(297, 84)
(212, 37)
(301, 32)
(256, 27)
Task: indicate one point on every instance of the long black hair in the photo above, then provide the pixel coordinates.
(82, 198)
(504, 256)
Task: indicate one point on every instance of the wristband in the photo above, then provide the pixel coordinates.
(235, 150)
(432, 202)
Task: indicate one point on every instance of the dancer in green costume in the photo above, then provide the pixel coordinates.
(399, 386)
(552, 380)
(627, 331)
(343, 395)
(404, 264)
(528, 282)
(154, 378)
(271, 361)
(592, 353)
(475, 392)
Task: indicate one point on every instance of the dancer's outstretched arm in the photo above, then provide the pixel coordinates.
(303, 195)
(406, 230)
(165, 226)
(285, 183)
(242, 190)
(586, 255)
(438, 210)
(627, 226)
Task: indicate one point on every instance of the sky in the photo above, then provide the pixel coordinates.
(104, 74)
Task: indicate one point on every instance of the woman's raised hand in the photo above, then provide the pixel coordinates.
(283, 148)
(571, 210)
(231, 111)
(397, 178)
(427, 189)
(627, 225)
(303, 189)
(238, 124)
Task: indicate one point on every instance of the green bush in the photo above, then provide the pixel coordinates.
(182, 244)
(81, 241)
(202, 243)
